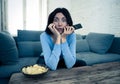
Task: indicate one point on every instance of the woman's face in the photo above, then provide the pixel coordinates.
(60, 22)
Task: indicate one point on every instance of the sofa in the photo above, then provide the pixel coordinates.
(25, 49)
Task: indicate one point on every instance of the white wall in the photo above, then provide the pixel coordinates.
(52, 4)
(97, 15)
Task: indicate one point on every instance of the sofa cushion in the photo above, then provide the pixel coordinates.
(29, 35)
(8, 49)
(82, 46)
(92, 58)
(29, 48)
(99, 42)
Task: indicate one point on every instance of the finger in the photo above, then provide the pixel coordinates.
(69, 28)
(51, 27)
(54, 28)
(72, 28)
(65, 29)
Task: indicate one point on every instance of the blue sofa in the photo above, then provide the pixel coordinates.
(25, 48)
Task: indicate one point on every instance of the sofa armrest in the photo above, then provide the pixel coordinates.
(115, 47)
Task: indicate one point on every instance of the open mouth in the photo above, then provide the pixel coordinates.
(60, 30)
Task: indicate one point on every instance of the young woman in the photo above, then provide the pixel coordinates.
(59, 40)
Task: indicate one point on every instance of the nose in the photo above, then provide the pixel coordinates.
(59, 23)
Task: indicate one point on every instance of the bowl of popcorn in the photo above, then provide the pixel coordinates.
(35, 70)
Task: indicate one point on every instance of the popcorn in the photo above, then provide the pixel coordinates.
(35, 69)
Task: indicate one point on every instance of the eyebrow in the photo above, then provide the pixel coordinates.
(55, 17)
(58, 18)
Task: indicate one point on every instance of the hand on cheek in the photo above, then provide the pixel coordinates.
(53, 29)
(68, 30)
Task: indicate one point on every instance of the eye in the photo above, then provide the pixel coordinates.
(55, 19)
(64, 19)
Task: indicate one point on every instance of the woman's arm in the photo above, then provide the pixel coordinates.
(69, 50)
(51, 51)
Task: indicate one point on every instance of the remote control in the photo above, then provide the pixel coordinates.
(77, 26)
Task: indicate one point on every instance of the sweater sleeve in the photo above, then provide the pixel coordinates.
(51, 54)
(69, 51)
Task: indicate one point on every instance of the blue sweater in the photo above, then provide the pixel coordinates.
(54, 52)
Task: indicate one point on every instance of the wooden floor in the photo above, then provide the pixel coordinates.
(107, 73)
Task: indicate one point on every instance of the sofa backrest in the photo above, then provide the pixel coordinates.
(114, 48)
(81, 44)
(28, 43)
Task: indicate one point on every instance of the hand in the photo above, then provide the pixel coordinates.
(56, 34)
(54, 30)
(67, 30)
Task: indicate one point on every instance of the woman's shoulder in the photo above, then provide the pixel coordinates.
(44, 34)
